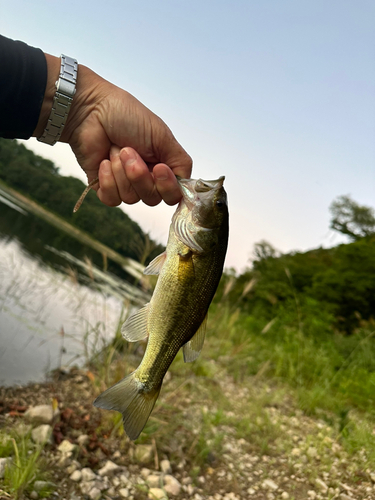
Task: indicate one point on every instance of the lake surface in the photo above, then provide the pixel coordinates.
(57, 304)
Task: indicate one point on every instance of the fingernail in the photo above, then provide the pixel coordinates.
(106, 168)
(130, 156)
(160, 176)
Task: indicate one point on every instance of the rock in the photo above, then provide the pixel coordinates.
(344, 496)
(156, 493)
(76, 476)
(153, 481)
(269, 485)
(312, 452)
(311, 494)
(145, 472)
(83, 440)
(66, 447)
(284, 495)
(3, 464)
(87, 486)
(143, 453)
(42, 414)
(116, 455)
(95, 493)
(124, 492)
(108, 469)
(171, 485)
(251, 491)
(321, 485)
(296, 452)
(74, 466)
(165, 466)
(34, 495)
(41, 434)
(88, 474)
(40, 485)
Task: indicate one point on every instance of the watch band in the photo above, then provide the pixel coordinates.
(65, 90)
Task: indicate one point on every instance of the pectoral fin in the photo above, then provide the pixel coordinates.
(156, 264)
(135, 327)
(192, 349)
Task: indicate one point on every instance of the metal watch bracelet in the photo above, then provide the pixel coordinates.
(65, 90)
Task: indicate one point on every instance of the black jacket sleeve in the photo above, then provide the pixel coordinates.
(23, 80)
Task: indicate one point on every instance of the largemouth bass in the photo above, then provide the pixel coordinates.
(189, 272)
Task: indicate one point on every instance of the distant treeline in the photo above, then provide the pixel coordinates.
(336, 285)
(39, 179)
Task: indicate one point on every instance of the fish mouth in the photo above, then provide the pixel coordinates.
(190, 187)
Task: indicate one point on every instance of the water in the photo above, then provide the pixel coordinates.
(57, 304)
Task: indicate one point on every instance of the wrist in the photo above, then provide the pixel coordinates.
(53, 71)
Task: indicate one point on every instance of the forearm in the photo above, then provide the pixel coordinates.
(22, 86)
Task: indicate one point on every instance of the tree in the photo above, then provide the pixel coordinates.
(350, 218)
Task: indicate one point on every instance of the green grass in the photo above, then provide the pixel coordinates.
(26, 465)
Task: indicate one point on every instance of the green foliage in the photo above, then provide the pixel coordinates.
(350, 218)
(25, 465)
(40, 180)
(340, 281)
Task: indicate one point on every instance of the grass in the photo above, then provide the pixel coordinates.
(26, 464)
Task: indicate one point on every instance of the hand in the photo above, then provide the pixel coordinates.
(117, 139)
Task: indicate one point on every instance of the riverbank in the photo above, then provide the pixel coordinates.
(208, 438)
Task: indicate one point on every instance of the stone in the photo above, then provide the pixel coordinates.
(153, 480)
(321, 485)
(124, 492)
(311, 494)
(87, 486)
(34, 495)
(284, 495)
(145, 472)
(88, 474)
(40, 485)
(251, 491)
(3, 464)
(83, 440)
(312, 452)
(66, 446)
(95, 493)
(108, 469)
(73, 466)
(76, 476)
(143, 453)
(171, 485)
(165, 466)
(42, 414)
(156, 493)
(344, 496)
(41, 434)
(270, 485)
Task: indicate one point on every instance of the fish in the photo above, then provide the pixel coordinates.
(189, 271)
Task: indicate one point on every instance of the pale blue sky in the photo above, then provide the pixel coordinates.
(277, 96)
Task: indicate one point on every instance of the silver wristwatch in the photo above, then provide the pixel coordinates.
(65, 90)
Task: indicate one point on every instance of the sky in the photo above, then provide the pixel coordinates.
(277, 96)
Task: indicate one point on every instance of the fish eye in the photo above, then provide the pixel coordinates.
(220, 204)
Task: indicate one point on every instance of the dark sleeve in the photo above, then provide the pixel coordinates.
(23, 80)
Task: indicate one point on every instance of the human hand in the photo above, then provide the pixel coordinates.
(119, 140)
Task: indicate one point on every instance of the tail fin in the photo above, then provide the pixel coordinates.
(129, 398)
